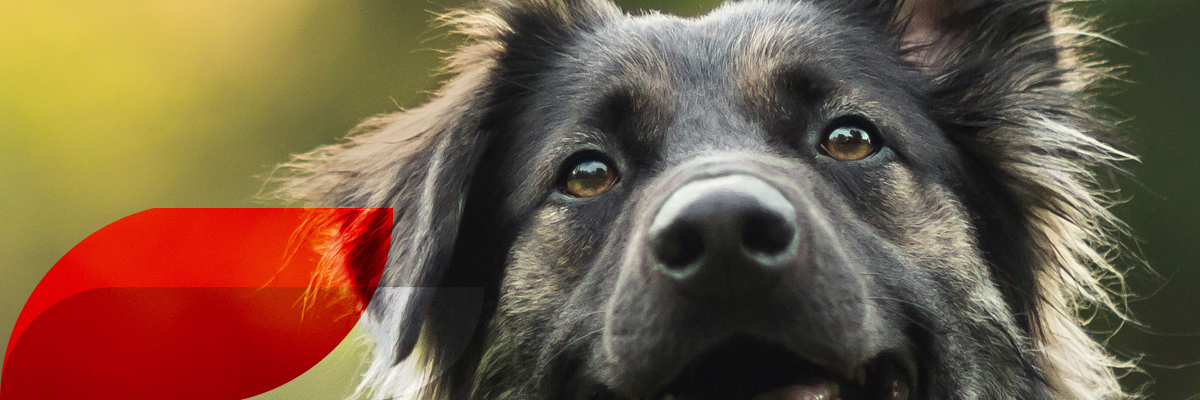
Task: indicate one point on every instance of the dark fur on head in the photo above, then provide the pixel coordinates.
(1006, 186)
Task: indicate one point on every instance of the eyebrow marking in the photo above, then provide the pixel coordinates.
(768, 63)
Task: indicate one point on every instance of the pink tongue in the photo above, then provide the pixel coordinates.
(818, 391)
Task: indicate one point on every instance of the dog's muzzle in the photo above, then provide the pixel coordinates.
(736, 269)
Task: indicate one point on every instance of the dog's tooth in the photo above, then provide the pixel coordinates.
(860, 377)
(899, 390)
(815, 391)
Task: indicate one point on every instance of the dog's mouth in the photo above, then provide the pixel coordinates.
(752, 370)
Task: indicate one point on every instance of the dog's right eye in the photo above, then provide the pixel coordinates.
(850, 140)
(588, 175)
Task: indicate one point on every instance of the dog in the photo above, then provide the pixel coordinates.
(780, 199)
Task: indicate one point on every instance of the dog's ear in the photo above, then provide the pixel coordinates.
(420, 162)
(935, 34)
(938, 36)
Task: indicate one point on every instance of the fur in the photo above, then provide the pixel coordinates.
(503, 294)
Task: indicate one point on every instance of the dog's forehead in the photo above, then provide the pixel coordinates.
(735, 44)
(736, 58)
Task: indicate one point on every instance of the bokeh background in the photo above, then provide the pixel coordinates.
(109, 108)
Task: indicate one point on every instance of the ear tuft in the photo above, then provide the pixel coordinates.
(499, 20)
(936, 33)
(922, 25)
(353, 244)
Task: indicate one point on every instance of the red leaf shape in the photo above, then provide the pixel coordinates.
(196, 303)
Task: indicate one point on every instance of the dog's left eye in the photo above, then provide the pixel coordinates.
(851, 140)
(588, 175)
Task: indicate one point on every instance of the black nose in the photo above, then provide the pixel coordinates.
(724, 236)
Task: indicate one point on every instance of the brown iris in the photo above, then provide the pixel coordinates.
(849, 142)
(588, 176)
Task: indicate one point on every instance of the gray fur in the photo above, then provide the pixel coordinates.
(969, 243)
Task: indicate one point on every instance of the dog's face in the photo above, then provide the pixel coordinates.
(753, 203)
(778, 200)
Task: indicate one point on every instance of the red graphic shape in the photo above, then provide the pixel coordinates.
(195, 304)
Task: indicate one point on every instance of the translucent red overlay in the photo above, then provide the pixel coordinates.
(195, 304)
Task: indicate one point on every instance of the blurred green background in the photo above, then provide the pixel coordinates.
(109, 108)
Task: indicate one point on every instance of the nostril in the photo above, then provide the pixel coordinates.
(766, 234)
(680, 246)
